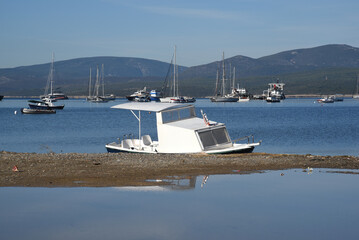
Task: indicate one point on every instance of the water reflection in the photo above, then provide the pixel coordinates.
(266, 205)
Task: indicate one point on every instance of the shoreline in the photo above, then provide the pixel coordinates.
(290, 96)
(123, 169)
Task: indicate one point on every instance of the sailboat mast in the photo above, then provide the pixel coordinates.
(223, 77)
(52, 73)
(97, 83)
(174, 74)
(90, 84)
(217, 80)
(103, 79)
(234, 77)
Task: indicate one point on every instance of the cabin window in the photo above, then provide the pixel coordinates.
(213, 137)
(177, 114)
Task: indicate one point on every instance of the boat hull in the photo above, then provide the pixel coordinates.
(224, 99)
(34, 106)
(236, 148)
(37, 111)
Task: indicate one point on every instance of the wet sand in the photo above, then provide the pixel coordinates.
(122, 169)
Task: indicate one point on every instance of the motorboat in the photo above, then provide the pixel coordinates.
(274, 90)
(326, 100)
(155, 96)
(46, 103)
(243, 99)
(139, 94)
(37, 111)
(179, 130)
(337, 97)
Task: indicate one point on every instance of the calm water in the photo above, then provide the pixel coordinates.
(269, 205)
(298, 205)
(292, 126)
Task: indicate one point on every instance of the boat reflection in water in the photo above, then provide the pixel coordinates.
(172, 183)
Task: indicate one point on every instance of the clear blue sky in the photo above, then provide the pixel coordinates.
(30, 30)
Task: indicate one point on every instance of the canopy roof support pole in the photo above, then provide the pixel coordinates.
(139, 123)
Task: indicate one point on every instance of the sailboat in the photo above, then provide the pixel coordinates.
(220, 92)
(49, 93)
(356, 95)
(175, 98)
(100, 82)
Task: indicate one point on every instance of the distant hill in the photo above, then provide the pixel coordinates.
(319, 70)
(74, 73)
(303, 71)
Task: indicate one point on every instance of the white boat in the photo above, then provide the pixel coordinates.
(326, 100)
(179, 130)
(46, 103)
(139, 96)
(275, 90)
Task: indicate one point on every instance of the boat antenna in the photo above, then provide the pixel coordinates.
(223, 77)
(90, 83)
(50, 77)
(175, 91)
(103, 79)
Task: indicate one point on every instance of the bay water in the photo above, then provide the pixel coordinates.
(299, 126)
(288, 204)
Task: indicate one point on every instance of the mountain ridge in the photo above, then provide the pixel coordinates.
(124, 74)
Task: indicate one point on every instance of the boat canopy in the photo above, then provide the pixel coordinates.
(150, 106)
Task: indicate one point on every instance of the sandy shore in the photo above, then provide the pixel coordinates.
(104, 170)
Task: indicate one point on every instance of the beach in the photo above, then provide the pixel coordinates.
(123, 169)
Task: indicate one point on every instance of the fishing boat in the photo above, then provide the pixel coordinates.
(1, 97)
(37, 111)
(49, 92)
(179, 130)
(46, 103)
(220, 91)
(275, 90)
(100, 83)
(174, 90)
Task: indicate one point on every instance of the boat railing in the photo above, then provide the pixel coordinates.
(248, 138)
